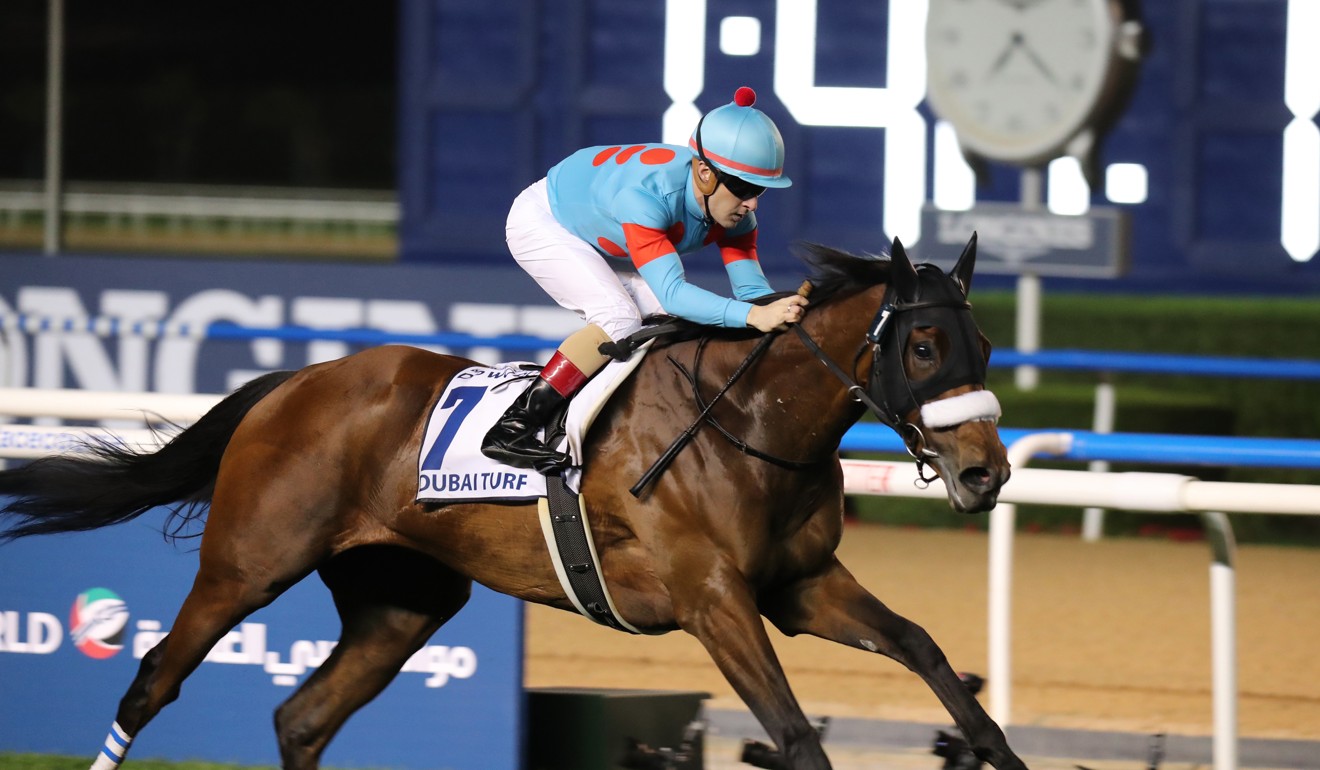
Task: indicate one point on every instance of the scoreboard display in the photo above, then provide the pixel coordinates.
(1215, 160)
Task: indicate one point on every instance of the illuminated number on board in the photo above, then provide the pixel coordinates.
(893, 108)
(1299, 226)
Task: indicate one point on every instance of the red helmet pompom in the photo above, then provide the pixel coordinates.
(744, 97)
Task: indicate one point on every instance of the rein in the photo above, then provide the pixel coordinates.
(859, 393)
(739, 444)
(910, 433)
(665, 459)
(683, 438)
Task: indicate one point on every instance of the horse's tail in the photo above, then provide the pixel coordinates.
(109, 483)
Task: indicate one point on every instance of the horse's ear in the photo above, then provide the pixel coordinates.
(901, 273)
(962, 271)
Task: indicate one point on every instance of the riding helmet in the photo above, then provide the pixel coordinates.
(741, 140)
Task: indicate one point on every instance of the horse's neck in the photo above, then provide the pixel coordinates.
(805, 392)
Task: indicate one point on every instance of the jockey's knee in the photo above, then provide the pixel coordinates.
(582, 348)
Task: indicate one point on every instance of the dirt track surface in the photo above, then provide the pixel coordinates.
(1113, 635)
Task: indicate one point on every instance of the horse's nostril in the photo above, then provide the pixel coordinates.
(977, 479)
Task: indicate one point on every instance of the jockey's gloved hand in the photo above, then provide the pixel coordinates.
(777, 315)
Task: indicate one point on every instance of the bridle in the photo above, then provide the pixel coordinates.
(873, 395)
(886, 346)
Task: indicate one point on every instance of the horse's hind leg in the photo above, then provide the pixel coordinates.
(258, 542)
(390, 601)
(221, 596)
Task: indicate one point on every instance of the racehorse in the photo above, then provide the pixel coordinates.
(316, 471)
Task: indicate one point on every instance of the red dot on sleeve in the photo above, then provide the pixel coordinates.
(611, 248)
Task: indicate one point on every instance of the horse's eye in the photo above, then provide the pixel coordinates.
(924, 350)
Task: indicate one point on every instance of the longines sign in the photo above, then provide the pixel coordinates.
(1013, 240)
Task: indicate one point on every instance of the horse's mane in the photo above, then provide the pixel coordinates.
(833, 273)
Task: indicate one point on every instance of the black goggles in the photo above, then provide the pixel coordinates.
(742, 189)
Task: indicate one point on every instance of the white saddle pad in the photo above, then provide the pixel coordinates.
(451, 467)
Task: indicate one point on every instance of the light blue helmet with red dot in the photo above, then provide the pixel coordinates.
(741, 140)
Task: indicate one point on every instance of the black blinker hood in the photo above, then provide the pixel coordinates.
(939, 302)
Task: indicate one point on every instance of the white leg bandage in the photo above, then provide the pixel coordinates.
(977, 405)
(116, 746)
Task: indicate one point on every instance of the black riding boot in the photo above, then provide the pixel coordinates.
(513, 439)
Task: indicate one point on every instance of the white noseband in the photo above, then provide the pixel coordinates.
(947, 412)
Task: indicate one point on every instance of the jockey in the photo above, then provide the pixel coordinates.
(602, 234)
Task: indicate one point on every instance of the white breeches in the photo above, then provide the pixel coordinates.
(571, 272)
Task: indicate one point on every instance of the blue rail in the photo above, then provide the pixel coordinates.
(1160, 363)
(1152, 448)
(1146, 448)
(1067, 360)
(1073, 360)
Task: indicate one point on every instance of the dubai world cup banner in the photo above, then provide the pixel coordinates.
(78, 612)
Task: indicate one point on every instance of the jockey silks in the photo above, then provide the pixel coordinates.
(636, 207)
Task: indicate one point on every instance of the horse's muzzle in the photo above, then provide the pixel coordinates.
(977, 489)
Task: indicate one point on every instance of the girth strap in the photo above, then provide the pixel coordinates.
(565, 527)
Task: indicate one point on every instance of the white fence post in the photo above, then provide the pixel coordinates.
(1093, 519)
(1223, 639)
(999, 674)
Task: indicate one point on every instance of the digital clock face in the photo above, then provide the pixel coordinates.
(1018, 78)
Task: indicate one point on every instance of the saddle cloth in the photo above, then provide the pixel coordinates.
(451, 467)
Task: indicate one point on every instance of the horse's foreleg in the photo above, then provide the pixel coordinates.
(390, 602)
(834, 606)
(718, 609)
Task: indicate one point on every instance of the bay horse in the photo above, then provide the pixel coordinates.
(316, 471)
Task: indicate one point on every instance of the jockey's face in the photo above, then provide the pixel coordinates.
(726, 208)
